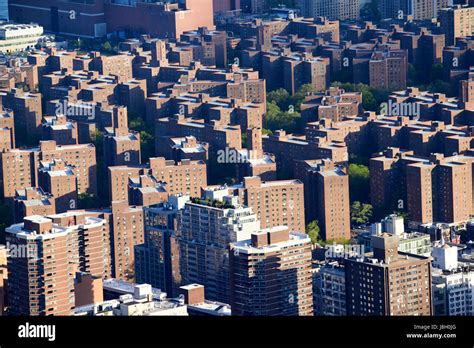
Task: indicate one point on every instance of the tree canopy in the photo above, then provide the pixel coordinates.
(88, 201)
(279, 97)
(371, 97)
(359, 182)
(361, 212)
(147, 144)
(283, 110)
(312, 230)
(276, 119)
(371, 11)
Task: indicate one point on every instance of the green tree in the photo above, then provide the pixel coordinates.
(298, 98)
(107, 47)
(403, 213)
(272, 110)
(437, 71)
(412, 75)
(244, 140)
(371, 11)
(439, 86)
(361, 212)
(137, 124)
(88, 201)
(369, 102)
(279, 97)
(276, 119)
(342, 241)
(380, 96)
(312, 230)
(147, 146)
(96, 137)
(283, 110)
(359, 182)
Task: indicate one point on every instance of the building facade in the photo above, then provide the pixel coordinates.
(271, 274)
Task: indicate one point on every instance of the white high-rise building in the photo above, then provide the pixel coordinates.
(453, 292)
(205, 229)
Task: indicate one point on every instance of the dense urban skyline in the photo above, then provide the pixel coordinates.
(237, 157)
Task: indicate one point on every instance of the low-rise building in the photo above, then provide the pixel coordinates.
(135, 300)
(19, 37)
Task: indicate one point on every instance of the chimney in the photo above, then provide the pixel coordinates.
(270, 236)
(278, 235)
(385, 247)
(436, 158)
(252, 181)
(31, 193)
(254, 142)
(157, 163)
(47, 145)
(120, 117)
(41, 226)
(259, 239)
(193, 294)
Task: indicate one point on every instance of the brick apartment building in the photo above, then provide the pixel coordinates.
(421, 137)
(438, 106)
(388, 282)
(60, 180)
(286, 146)
(266, 280)
(219, 136)
(60, 129)
(181, 148)
(127, 227)
(298, 70)
(220, 6)
(456, 21)
(326, 192)
(388, 70)
(28, 113)
(424, 9)
(333, 104)
(96, 18)
(255, 161)
(121, 147)
(33, 201)
(204, 230)
(184, 177)
(276, 203)
(333, 10)
(355, 132)
(55, 242)
(7, 130)
(222, 110)
(432, 189)
(207, 46)
(19, 168)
